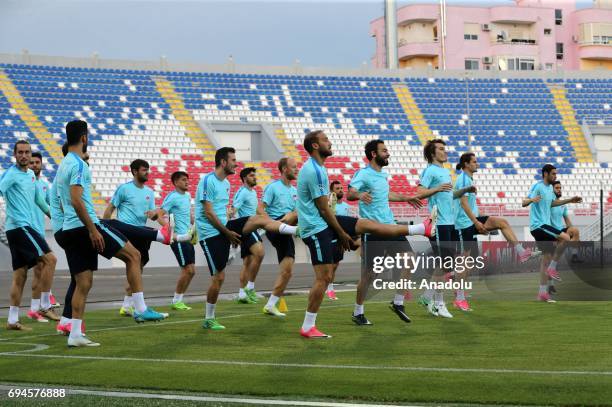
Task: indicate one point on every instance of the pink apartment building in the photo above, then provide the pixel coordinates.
(530, 35)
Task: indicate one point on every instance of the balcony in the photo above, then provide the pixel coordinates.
(594, 50)
(406, 50)
(420, 13)
(513, 15)
(523, 47)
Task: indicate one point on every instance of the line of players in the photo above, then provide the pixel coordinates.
(83, 236)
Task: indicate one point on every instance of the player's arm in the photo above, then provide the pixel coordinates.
(76, 192)
(559, 202)
(468, 211)
(415, 201)
(261, 209)
(108, 212)
(41, 202)
(458, 193)
(330, 218)
(424, 193)
(210, 214)
(568, 222)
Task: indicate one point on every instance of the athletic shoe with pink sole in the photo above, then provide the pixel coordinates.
(544, 297)
(167, 231)
(553, 273)
(35, 316)
(462, 305)
(66, 328)
(528, 254)
(314, 333)
(331, 294)
(430, 223)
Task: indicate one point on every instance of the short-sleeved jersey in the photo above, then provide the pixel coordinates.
(556, 216)
(217, 192)
(539, 212)
(19, 191)
(343, 209)
(55, 207)
(279, 198)
(245, 202)
(132, 202)
(179, 205)
(432, 176)
(312, 183)
(44, 190)
(462, 221)
(73, 171)
(377, 185)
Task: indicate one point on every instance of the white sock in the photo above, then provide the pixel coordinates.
(272, 301)
(429, 293)
(13, 317)
(416, 229)
(127, 301)
(177, 298)
(309, 321)
(45, 300)
(285, 229)
(358, 309)
(543, 289)
(398, 299)
(34, 305)
(552, 265)
(75, 329)
(64, 320)
(251, 285)
(183, 238)
(242, 294)
(139, 302)
(438, 297)
(519, 249)
(460, 295)
(330, 287)
(210, 310)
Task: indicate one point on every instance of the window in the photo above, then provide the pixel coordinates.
(472, 64)
(547, 31)
(527, 64)
(549, 67)
(517, 64)
(470, 37)
(558, 16)
(471, 31)
(559, 50)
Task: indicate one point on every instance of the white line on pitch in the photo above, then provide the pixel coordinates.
(239, 400)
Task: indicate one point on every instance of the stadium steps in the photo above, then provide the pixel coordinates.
(570, 124)
(263, 175)
(287, 144)
(413, 113)
(184, 116)
(35, 126)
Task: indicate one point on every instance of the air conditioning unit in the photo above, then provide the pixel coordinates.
(485, 27)
(487, 60)
(575, 38)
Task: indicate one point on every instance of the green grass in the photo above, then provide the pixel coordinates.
(567, 336)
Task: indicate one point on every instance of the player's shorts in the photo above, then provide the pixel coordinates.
(284, 245)
(444, 243)
(216, 248)
(467, 237)
(59, 238)
(248, 241)
(324, 247)
(544, 235)
(139, 236)
(184, 253)
(26, 246)
(564, 230)
(81, 254)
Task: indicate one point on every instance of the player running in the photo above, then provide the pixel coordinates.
(245, 203)
(370, 186)
(216, 233)
(469, 223)
(326, 234)
(279, 203)
(177, 204)
(28, 247)
(542, 198)
(85, 237)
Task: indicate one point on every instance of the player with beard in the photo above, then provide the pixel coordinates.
(326, 234)
(370, 186)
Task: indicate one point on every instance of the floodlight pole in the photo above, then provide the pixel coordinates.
(469, 117)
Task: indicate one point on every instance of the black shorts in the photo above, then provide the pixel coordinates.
(184, 253)
(59, 238)
(467, 237)
(444, 243)
(27, 246)
(139, 236)
(564, 230)
(324, 247)
(544, 235)
(216, 248)
(81, 254)
(284, 245)
(248, 241)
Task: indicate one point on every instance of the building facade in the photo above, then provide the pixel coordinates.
(529, 35)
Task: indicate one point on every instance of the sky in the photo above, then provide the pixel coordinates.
(332, 33)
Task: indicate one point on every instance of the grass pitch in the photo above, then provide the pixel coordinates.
(505, 352)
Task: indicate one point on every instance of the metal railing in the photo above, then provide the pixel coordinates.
(593, 231)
